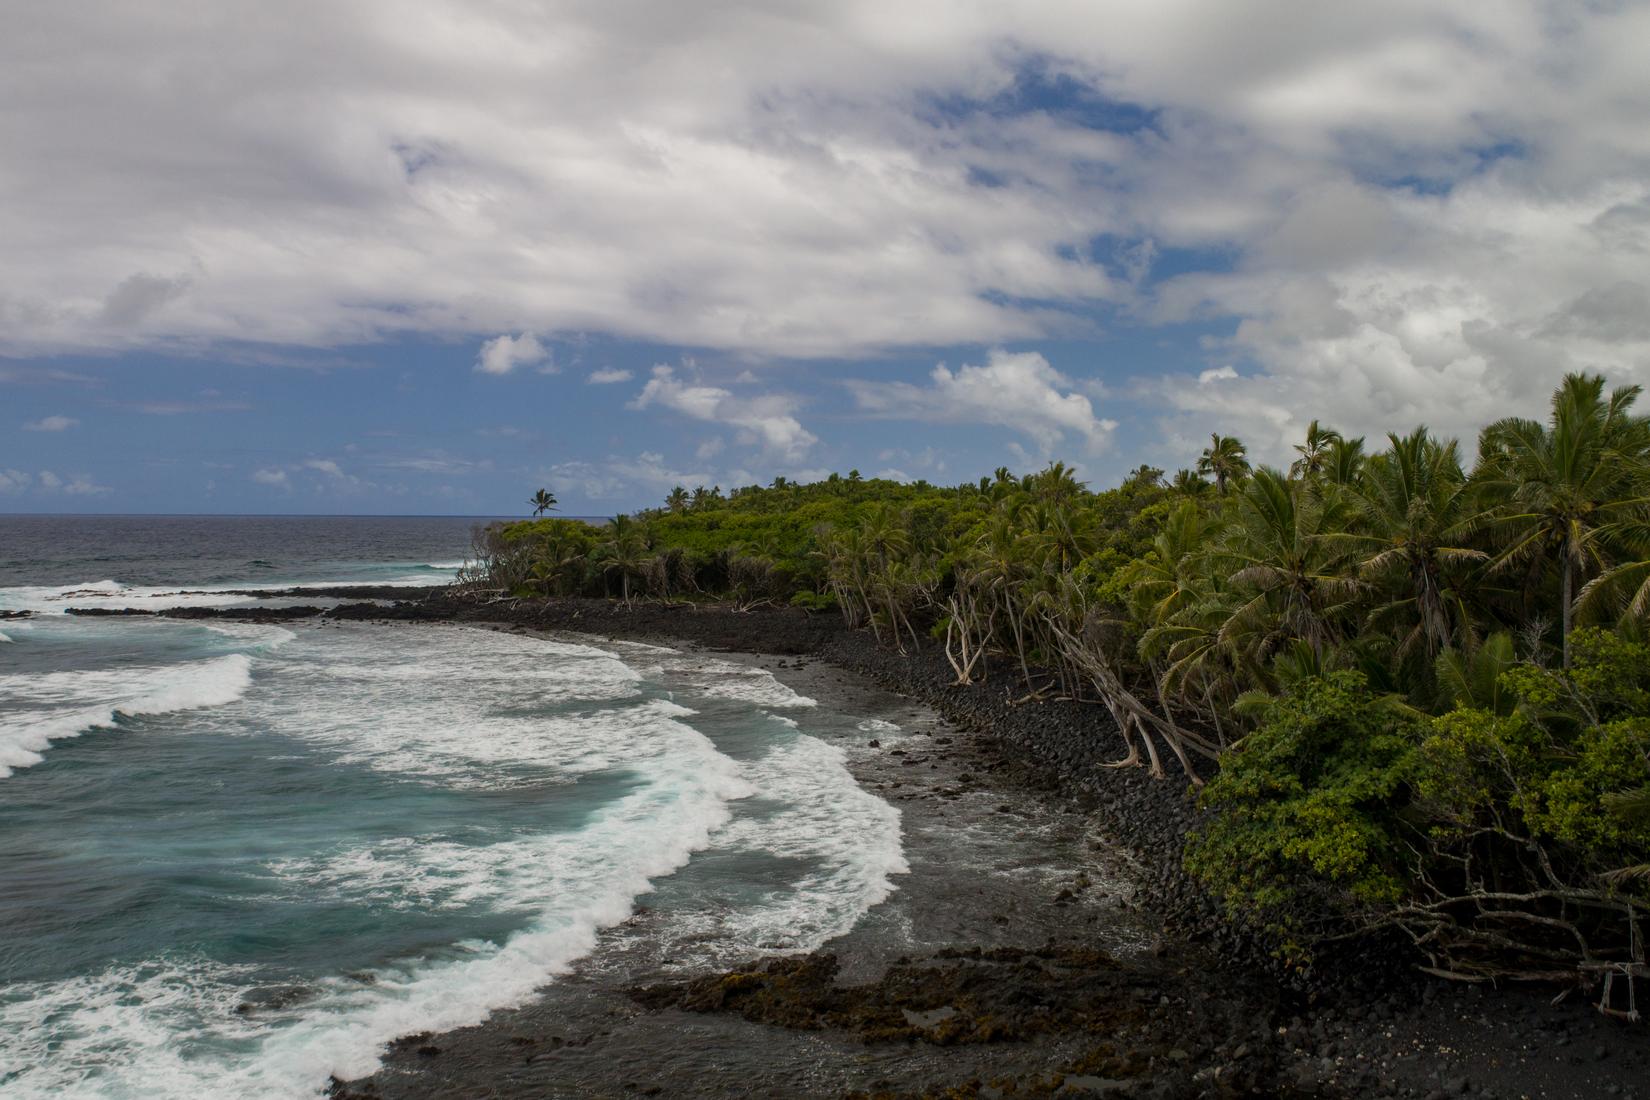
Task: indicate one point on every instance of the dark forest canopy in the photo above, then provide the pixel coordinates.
(1415, 682)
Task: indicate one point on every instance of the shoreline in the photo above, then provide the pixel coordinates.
(1388, 1034)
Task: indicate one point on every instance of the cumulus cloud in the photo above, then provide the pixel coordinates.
(273, 477)
(51, 424)
(753, 177)
(1018, 391)
(622, 479)
(503, 354)
(1386, 212)
(607, 376)
(46, 481)
(765, 419)
(1456, 324)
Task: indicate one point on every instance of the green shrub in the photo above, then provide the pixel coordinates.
(1308, 800)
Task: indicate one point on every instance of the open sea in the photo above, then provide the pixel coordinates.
(237, 859)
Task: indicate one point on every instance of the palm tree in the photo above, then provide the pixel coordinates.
(1413, 508)
(886, 539)
(624, 552)
(1315, 452)
(543, 501)
(1343, 462)
(1474, 679)
(1056, 484)
(1277, 549)
(677, 500)
(1165, 581)
(1186, 483)
(1560, 490)
(1226, 459)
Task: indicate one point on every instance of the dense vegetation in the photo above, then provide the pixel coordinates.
(1418, 688)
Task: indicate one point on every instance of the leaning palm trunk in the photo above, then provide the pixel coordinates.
(965, 641)
(1129, 711)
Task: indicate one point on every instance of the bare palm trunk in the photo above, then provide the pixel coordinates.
(1569, 605)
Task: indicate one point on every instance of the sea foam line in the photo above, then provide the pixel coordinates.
(116, 1034)
(135, 692)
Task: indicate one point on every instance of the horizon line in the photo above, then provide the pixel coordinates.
(283, 515)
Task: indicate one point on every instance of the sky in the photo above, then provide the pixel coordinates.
(426, 256)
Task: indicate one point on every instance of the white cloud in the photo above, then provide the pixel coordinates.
(180, 408)
(47, 481)
(273, 477)
(606, 376)
(1413, 210)
(442, 464)
(334, 478)
(50, 424)
(752, 177)
(81, 485)
(503, 354)
(766, 419)
(622, 480)
(1019, 391)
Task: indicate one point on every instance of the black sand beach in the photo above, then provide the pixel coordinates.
(1044, 942)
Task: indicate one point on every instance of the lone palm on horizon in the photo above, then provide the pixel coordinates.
(543, 501)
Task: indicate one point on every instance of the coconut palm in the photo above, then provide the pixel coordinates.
(1189, 484)
(543, 501)
(1315, 452)
(1343, 461)
(1278, 551)
(624, 552)
(1414, 519)
(677, 500)
(1226, 459)
(1558, 491)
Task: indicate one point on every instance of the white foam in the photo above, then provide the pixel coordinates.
(109, 594)
(851, 834)
(433, 872)
(58, 705)
(116, 596)
(63, 1038)
(4, 637)
(256, 635)
(339, 693)
(169, 1027)
(718, 679)
(124, 1036)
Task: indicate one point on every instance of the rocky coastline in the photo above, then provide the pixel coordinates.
(1209, 1011)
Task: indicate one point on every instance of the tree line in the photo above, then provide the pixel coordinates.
(1411, 688)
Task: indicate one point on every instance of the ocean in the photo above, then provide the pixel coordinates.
(237, 859)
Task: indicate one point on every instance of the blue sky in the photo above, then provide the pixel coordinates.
(426, 257)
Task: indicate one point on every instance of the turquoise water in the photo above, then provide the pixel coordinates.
(237, 859)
